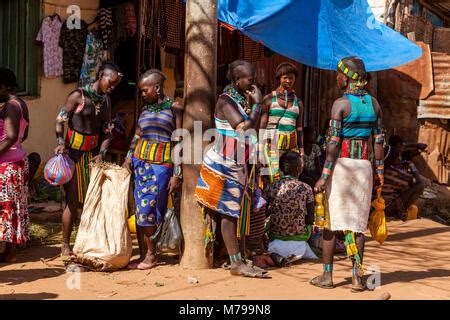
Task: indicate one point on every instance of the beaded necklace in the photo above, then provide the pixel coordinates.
(286, 94)
(233, 93)
(356, 91)
(288, 177)
(159, 106)
(97, 99)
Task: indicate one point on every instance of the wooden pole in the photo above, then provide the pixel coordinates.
(200, 94)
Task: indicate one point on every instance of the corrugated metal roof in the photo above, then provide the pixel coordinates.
(438, 104)
(442, 5)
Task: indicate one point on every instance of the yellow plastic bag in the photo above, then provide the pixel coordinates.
(132, 223)
(377, 220)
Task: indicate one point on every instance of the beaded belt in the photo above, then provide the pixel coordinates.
(231, 148)
(354, 149)
(153, 152)
(285, 141)
(79, 141)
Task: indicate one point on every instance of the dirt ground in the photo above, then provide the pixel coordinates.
(414, 264)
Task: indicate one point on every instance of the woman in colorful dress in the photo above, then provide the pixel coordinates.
(155, 175)
(224, 178)
(87, 112)
(282, 118)
(347, 174)
(14, 122)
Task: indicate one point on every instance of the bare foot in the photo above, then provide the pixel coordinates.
(324, 281)
(65, 250)
(134, 263)
(263, 261)
(149, 262)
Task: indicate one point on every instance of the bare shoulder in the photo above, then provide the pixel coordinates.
(177, 107)
(75, 96)
(341, 107)
(268, 97)
(376, 105)
(340, 103)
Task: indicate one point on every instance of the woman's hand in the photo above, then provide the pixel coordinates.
(320, 185)
(60, 149)
(174, 184)
(97, 159)
(256, 95)
(127, 164)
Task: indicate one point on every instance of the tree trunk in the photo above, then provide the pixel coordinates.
(200, 94)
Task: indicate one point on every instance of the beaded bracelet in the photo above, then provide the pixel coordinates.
(326, 172)
(379, 164)
(256, 107)
(129, 154)
(61, 141)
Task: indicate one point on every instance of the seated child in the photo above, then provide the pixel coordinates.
(290, 204)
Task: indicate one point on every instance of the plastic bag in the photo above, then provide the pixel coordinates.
(59, 170)
(377, 220)
(103, 240)
(171, 236)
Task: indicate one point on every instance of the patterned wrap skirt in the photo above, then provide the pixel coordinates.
(220, 186)
(14, 221)
(150, 193)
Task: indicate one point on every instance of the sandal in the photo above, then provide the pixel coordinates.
(317, 282)
(360, 287)
(250, 271)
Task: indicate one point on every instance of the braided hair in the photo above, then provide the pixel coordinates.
(150, 72)
(237, 68)
(289, 162)
(108, 65)
(356, 66)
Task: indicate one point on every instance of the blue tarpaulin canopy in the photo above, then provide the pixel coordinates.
(319, 33)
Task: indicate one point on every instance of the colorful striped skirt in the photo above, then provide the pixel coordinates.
(14, 223)
(150, 193)
(82, 171)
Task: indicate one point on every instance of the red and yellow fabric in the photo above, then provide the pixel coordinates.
(354, 149)
(153, 152)
(82, 142)
(285, 141)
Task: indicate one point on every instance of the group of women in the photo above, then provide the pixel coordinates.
(228, 177)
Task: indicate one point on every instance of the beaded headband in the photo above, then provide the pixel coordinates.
(349, 73)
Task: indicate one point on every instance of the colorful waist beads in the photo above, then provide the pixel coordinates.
(78, 141)
(153, 152)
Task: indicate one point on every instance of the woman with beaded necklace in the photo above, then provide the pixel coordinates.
(282, 116)
(155, 175)
(224, 180)
(347, 175)
(87, 112)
